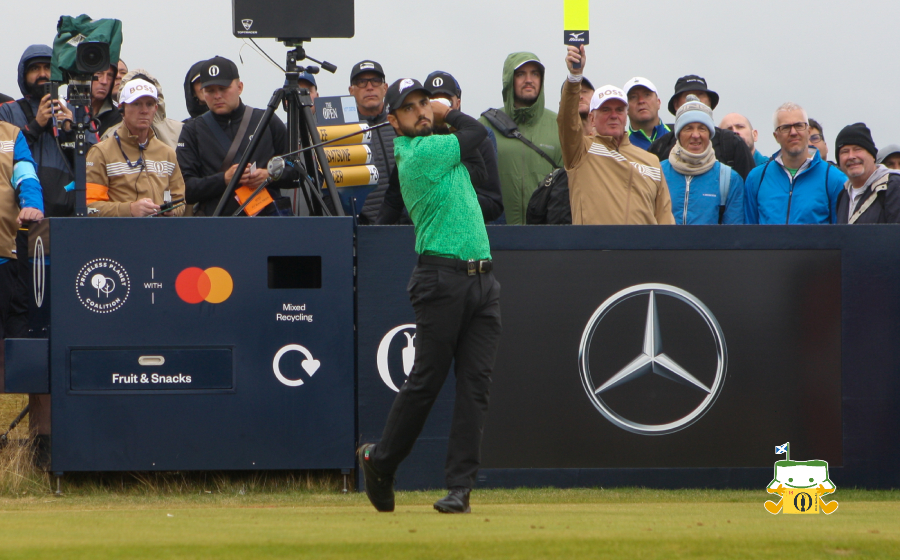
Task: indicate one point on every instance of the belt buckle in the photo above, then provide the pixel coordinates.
(471, 267)
(481, 269)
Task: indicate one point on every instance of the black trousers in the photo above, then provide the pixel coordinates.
(457, 318)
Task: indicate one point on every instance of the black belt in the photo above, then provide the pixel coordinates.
(471, 266)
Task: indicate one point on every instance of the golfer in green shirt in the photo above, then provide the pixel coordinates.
(453, 292)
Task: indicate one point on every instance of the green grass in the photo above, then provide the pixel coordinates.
(505, 524)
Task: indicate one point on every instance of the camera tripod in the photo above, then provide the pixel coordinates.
(302, 133)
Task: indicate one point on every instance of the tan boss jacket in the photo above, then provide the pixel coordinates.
(113, 183)
(610, 183)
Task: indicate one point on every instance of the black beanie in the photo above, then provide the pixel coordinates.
(857, 135)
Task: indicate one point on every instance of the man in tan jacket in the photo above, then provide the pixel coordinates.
(611, 182)
(133, 173)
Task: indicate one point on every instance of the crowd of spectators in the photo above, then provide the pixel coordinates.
(609, 149)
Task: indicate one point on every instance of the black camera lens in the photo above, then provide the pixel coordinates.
(92, 57)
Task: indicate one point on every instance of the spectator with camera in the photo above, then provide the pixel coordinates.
(367, 85)
(43, 121)
(210, 146)
(133, 173)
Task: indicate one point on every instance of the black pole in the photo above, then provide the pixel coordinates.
(251, 149)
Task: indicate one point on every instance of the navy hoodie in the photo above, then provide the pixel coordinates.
(53, 167)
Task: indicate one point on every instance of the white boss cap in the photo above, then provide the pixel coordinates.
(604, 94)
(135, 89)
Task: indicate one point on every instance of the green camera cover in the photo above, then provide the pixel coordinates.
(72, 31)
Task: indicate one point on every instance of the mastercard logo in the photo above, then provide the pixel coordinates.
(194, 285)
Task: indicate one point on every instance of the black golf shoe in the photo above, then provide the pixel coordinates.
(456, 501)
(379, 487)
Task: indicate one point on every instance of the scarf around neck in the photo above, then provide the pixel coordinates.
(686, 163)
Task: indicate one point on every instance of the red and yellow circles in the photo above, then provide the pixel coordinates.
(213, 285)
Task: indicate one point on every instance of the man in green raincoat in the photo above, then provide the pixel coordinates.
(521, 167)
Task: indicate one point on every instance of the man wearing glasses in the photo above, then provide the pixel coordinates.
(796, 186)
(367, 85)
(817, 139)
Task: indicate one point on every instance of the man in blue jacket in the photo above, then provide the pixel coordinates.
(795, 186)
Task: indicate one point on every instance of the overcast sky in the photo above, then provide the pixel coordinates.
(836, 60)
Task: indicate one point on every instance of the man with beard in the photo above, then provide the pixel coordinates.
(453, 292)
(522, 168)
(871, 194)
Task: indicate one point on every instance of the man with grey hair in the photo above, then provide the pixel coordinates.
(795, 186)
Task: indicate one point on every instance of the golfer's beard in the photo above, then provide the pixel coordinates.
(413, 132)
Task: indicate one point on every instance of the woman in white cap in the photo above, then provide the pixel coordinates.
(703, 190)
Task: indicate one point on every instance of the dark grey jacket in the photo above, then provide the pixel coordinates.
(878, 204)
(383, 157)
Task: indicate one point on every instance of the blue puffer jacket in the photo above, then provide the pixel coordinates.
(772, 196)
(696, 200)
(53, 166)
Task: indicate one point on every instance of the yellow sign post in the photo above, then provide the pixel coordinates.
(576, 23)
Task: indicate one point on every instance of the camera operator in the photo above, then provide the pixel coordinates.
(34, 115)
(102, 107)
(212, 144)
(129, 173)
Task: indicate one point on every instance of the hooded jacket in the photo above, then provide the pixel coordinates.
(729, 147)
(879, 203)
(610, 183)
(772, 196)
(521, 168)
(166, 130)
(194, 107)
(53, 166)
(382, 146)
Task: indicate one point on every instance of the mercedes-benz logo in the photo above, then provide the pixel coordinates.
(652, 359)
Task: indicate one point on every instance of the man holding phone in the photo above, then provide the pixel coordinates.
(133, 173)
(45, 122)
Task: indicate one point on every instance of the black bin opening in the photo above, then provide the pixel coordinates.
(293, 273)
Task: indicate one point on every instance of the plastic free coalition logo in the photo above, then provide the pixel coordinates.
(102, 285)
(213, 285)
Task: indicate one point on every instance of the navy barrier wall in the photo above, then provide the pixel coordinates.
(807, 321)
(196, 344)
